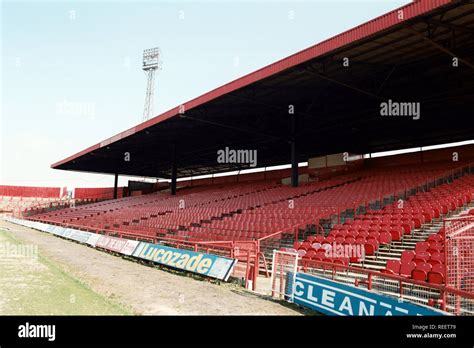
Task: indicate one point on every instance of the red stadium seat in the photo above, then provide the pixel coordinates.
(319, 239)
(385, 238)
(435, 237)
(329, 239)
(436, 258)
(407, 256)
(422, 257)
(392, 267)
(349, 240)
(436, 275)
(310, 254)
(421, 271)
(421, 246)
(373, 236)
(406, 268)
(370, 247)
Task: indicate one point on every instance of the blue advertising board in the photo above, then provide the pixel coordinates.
(205, 264)
(334, 298)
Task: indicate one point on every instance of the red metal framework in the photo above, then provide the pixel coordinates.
(394, 285)
(459, 258)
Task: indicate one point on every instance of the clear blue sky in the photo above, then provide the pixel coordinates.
(89, 53)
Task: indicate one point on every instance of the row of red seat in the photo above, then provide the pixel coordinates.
(427, 261)
(252, 210)
(311, 208)
(381, 227)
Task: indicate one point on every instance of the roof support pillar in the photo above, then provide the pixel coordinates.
(294, 165)
(294, 154)
(115, 185)
(174, 170)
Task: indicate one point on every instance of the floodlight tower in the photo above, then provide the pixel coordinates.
(151, 63)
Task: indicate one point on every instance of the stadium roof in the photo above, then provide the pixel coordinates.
(405, 55)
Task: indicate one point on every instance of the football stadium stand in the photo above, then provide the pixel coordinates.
(393, 216)
(406, 220)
